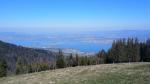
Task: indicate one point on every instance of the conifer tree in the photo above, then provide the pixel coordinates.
(3, 68)
(60, 63)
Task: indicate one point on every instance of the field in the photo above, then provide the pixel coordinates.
(124, 73)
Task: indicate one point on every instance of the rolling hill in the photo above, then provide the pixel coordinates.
(123, 73)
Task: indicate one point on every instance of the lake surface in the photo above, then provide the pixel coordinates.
(82, 41)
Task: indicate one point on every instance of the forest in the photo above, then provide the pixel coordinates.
(21, 60)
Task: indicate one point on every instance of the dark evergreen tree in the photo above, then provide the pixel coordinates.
(3, 68)
(145, 51)
(70, 60)
(60, 63)
(101, 57)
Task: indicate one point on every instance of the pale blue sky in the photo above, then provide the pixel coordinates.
(73, 15)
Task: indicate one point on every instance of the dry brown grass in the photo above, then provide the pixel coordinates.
(95, 74)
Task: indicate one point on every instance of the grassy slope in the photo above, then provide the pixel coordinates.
(135, 73)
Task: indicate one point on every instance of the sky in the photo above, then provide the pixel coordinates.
(73, 15)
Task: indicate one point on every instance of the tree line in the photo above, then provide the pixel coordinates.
(122, 50)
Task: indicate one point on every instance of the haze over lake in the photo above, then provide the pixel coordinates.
(89, 41)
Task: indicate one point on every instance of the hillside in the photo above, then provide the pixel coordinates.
(124, 73)
(13, 53)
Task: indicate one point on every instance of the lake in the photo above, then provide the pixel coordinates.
(83, 41)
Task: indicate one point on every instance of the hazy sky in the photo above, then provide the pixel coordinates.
(73, 15)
